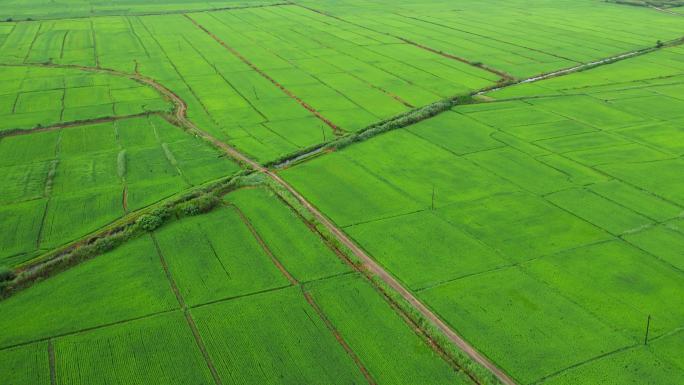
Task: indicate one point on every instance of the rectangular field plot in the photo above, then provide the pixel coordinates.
(273, 338)
(623, 286)
(299, 248)
(26, 365)
(520, 323)
(423, 249)
(158, 349)
(123, 284)
(19, 230)
(383, 341)
(215, 256)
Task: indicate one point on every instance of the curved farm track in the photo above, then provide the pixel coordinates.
(180, 116)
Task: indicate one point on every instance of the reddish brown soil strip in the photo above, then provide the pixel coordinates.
(265, 247)
(502, 74)
(393, 96)
(74, 123)
(289, 93)
(51, 360)
(186, 312)
(339, 337)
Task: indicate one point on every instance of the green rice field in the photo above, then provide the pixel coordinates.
(342, 192)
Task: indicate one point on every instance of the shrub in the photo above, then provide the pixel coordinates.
(6, 274)
(199, 205)
(149, 222)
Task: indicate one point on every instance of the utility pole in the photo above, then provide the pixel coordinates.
(648, 325)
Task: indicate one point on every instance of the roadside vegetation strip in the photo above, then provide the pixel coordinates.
(504, 76)
(337, 130)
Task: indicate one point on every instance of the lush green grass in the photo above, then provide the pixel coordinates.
(25, 365)
(401, 246)
(215, 256)
(156, 349)
(123, 284)
(528, 329)
(273, 338)
(623, 286)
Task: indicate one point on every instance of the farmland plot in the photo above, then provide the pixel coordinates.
(215, 256)
(123, 284)
(158, 348)
(26, 365)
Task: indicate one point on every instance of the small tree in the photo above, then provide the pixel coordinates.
(149, 222)
(659, 44)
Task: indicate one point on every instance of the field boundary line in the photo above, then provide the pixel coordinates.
(312, 302)
(293, 281)
(504, 75)
(85, 330)
(336, 129)
(186, 312)
(51, 361)
(587, 361)
(372, 266)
